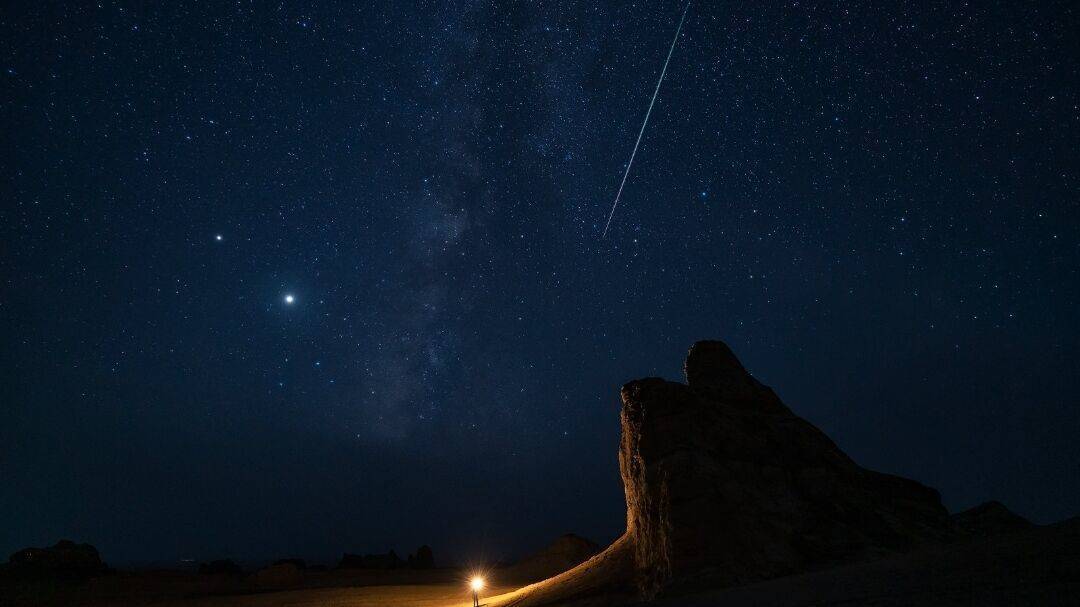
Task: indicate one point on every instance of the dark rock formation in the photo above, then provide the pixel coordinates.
(990, 518)
(65, 558)
(284, 574)
(424, 558)
(390, 560)
(565, 552)
(300, 563)
(220, 567)
(725, 485)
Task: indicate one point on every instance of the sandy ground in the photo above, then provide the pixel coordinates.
(434, 595)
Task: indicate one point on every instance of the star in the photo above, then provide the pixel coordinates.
(289, 299)
(218, 237)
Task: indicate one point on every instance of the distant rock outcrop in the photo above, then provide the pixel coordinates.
(284, 574)
(424, 558)
(565, 552)
(390, 560)
(990, 518)
(65, 558)
(300, 563)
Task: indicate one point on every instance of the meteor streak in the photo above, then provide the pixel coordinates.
(646, 122)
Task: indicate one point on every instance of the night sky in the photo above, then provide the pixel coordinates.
(289, 280)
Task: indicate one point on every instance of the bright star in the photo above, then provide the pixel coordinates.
(218, 237)
(289, 299)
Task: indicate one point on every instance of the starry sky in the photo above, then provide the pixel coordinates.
(294, 280)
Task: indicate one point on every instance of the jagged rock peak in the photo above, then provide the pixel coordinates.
(713, 370)
(990, 518)
(711, 363)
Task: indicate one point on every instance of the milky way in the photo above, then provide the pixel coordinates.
(874, 204)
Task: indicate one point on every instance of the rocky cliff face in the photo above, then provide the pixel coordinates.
(725, 485)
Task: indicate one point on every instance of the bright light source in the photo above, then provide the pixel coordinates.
(477, 584)
(289, 299)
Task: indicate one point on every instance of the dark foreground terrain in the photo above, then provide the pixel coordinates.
(1040, 567)
(317, 588)
(426, 595)
(732, 499)
(1036, 567)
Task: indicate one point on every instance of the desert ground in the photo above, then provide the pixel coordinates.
(433, 595)
(145, 593)
(1037, 567)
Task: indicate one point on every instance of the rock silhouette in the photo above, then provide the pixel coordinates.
(284, 574)
(65, 558)
(390, 560)
(725, 485)
(424, 558)
(990, 518)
